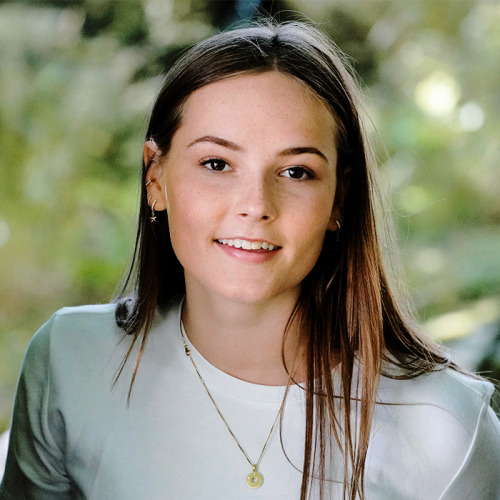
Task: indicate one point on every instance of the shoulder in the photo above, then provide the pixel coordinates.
(74, 321)
(448, 390)
(81, 316)
(74, 332)
(433, 424)
(445, 402)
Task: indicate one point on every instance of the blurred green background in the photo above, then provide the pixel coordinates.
(77, 81)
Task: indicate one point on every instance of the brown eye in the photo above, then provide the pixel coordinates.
(298, 173)
(215, 164)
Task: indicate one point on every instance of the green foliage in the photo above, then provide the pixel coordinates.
(78, 79)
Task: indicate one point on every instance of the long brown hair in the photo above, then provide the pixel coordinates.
(346, 305)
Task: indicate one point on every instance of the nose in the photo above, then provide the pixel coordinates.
(256, 199)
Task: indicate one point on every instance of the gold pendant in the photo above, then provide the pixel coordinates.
(255, 478)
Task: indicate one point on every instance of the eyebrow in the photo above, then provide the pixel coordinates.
(235, 147)
(217, 140)
(302, 151)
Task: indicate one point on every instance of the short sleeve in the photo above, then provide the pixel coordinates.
(479, 476)
(35, 461)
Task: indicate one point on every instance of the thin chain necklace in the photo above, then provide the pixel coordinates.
(254, 479)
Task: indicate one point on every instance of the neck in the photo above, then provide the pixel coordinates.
(246, 340)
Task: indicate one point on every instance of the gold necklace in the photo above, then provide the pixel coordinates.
(254, 479)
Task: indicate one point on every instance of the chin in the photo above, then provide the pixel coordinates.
(259, 296)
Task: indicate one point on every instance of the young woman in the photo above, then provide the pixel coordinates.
(261, 353)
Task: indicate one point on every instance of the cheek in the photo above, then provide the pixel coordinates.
(312, 247)
(311, 225)
(314, 216)
(308, 236)
(189, 216)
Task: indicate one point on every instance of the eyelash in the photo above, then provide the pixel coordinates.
(219, 161)
(303, 170)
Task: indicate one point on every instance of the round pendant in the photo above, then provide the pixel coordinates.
(255, 479)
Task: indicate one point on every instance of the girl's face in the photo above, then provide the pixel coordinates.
(249, 185)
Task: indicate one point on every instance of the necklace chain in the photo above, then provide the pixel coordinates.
(255, 478)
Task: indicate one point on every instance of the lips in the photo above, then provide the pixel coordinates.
(248, 245)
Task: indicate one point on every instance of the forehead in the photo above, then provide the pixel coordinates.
(272, 101)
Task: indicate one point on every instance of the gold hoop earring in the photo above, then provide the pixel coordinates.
(153, 215)
(338, 224)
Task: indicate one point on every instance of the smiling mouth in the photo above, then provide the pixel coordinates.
(249, 245)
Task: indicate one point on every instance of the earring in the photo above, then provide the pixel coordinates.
(148, 183)
(338, 230)
(153, 215)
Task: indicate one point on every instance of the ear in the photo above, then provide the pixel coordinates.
(154, 175)
(340, 193)
(334, 222)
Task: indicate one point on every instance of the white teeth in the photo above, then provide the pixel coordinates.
(248, 245)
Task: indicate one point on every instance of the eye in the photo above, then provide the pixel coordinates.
(215, 164)
(298, 173)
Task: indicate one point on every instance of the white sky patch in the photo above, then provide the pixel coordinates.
(438, 94)
(471, 116)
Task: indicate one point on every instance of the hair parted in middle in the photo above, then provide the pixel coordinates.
(346, 305)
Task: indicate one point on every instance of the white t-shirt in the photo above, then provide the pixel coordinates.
(74, 436)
